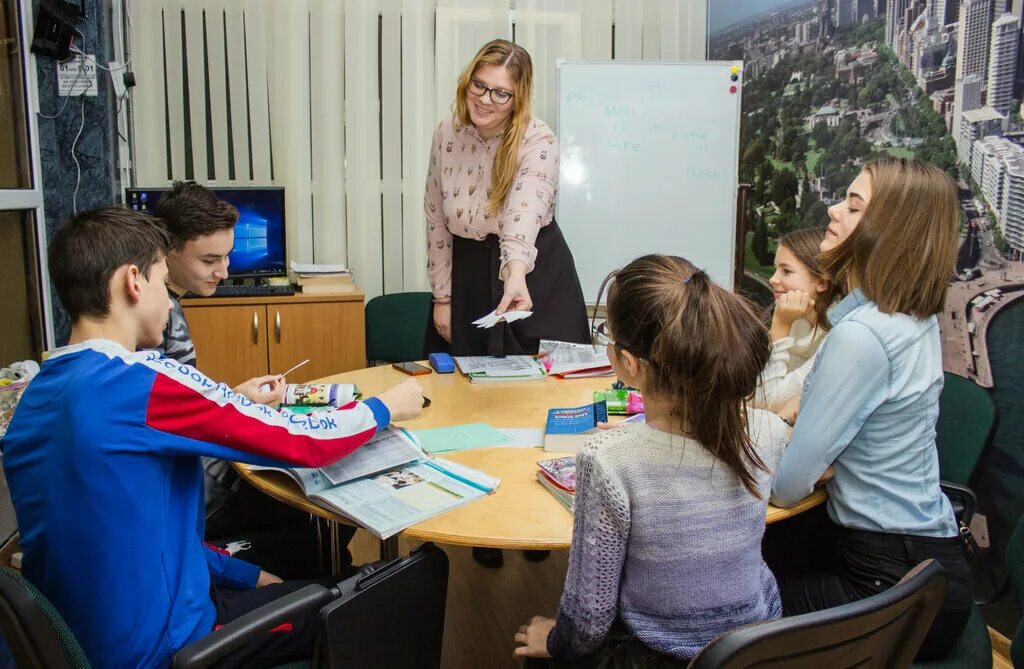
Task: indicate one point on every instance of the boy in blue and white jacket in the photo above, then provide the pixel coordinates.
(103, 460)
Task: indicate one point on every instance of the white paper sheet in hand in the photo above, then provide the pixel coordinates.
(491, 319)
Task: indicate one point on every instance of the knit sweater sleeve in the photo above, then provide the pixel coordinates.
(600, 533)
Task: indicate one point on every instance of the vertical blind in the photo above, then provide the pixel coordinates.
(336, 101)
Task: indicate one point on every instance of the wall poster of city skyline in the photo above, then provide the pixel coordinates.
(830, 84)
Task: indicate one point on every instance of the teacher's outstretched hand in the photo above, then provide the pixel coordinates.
(517, 295)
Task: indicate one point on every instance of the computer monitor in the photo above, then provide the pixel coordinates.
(260, 246)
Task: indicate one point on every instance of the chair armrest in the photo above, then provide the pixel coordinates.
(238, 632)
(963, 500)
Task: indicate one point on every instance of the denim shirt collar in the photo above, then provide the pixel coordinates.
(855, 299)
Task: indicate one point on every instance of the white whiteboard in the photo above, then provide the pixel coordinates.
(649, 164)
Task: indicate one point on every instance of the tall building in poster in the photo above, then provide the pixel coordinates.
(894, 10)
(846, 13)
(973, 33)
(1002, 62)
(966, 96)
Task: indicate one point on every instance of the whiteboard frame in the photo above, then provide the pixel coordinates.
(735, 270)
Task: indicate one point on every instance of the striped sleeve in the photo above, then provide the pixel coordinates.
(193, 415)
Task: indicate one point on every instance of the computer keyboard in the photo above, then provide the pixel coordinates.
(247, 291)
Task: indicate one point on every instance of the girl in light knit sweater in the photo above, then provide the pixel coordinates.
(666, 547)
(799, 323)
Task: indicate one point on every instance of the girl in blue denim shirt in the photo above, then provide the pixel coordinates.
(869, 406)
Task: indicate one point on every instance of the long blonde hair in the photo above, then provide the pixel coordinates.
(517, 61)
(903, 252)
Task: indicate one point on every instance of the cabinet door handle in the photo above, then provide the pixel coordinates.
(255, 327)
(277, 326)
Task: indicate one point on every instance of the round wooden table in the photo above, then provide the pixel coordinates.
(520, 514)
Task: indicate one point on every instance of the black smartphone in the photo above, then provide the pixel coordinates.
(411, 368)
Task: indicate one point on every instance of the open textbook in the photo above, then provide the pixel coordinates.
(389, 483)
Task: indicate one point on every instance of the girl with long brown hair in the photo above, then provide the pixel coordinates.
(669, 514)
(870, 405)
(798, 323)
(492, 239)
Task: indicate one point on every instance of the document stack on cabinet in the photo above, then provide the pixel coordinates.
(323, 279)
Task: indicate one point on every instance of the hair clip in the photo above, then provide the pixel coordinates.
(687, 280)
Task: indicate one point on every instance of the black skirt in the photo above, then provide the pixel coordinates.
(559, 312)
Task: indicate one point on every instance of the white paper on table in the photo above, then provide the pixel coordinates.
(522, 437)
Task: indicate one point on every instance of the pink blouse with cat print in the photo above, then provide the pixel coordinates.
(458, 187)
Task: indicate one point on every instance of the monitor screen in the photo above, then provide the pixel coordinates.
(259, 235)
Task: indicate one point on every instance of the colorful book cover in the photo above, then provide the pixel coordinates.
(560, 471)
(567, 429)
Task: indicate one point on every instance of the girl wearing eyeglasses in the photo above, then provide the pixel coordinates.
(490, 203)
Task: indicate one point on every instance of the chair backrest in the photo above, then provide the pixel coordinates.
(392, 617)
(396, 326)
(1015, 573)
(34, 632)
(885, 630)
(967, 421)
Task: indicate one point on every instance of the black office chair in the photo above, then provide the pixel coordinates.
(400, 606)
(882, 631)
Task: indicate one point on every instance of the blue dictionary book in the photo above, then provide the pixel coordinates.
(568, 429)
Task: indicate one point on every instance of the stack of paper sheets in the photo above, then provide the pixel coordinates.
(492, 319)
(488, 369)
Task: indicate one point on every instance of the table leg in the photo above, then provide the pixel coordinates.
(389, 548)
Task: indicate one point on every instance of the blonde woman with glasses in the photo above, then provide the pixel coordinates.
(492, 240)
(490, 204)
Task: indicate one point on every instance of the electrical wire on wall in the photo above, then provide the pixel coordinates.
(86, 57)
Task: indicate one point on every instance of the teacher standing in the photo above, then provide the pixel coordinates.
(493, 243)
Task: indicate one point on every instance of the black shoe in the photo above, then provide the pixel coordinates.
(536, 556)
(492, 558)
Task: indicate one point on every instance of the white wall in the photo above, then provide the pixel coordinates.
(345, 94)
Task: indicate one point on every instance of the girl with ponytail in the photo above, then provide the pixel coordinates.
(666, 548)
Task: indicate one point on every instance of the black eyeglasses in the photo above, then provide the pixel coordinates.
(498, 96)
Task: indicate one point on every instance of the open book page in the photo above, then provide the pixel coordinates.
(392, 501)
(389, 448)
(562, 357)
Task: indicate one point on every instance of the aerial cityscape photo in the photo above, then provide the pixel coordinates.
(831, 84)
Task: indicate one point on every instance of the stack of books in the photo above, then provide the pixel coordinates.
(558, 476)
(323, 279)
(488, 369)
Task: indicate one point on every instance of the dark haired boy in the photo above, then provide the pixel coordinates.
(202, 233)
(202, 230)
(103, 461)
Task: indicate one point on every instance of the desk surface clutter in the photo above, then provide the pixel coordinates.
(521, 514)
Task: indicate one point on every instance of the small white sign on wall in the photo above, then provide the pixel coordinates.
(77, 76)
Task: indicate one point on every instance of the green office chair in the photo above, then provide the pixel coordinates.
(396, 326)
(884, 630)
(967, 421)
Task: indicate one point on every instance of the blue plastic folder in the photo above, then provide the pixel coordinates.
(460, 438)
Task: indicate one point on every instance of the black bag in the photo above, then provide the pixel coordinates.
(389, 616)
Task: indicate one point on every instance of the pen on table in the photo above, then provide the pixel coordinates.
(266, 386)
(284, 374)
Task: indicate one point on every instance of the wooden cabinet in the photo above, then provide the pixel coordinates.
(237, 338)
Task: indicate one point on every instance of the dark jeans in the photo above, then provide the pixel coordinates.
(845, 565)
(621, 650)
(278, 538)
(291, 641)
